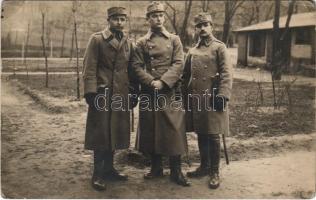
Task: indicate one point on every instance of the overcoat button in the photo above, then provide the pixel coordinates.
(204, 79)
(152, 58)
(205, 66)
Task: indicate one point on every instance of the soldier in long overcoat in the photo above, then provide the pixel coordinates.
(158, 66)
(208, 64)
(106, 87)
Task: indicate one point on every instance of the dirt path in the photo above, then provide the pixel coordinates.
(43, 157)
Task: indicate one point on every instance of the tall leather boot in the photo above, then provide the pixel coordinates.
(109, 172)
(203, 169)
(176, 174)
(97, 180)
(214, 147)
(156, 169)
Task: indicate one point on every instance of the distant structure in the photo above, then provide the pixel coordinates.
(255, 42)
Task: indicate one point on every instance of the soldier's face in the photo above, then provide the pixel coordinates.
(117, 22)
(204, 29)
(156, 19)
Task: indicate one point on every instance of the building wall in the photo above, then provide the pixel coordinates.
(303, 55)
(313, 30)
(301, 51)
(242, 39)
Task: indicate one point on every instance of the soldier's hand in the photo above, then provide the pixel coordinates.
(90, 98)
(157, 84)
(220, 103)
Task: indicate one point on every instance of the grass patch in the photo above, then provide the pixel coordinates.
(248, 116)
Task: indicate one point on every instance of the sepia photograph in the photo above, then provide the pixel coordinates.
(186, 99)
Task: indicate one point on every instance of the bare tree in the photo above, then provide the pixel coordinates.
(173, 18)
(48, 30)
(251, 12)
(279, 46)
(205, 4)
(72, 45)
(74, 11)
(275, 46)
(43, 13)
(230, 10)
(268, 11)
(63, 25)
(187, 11)
(26, 49)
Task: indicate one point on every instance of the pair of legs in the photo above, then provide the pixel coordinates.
(104, 170)
(209, 147)
(176, 174)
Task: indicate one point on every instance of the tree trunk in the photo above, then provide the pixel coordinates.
(285, 37)
(173, 19)
(72, 45)
(267, 16)
(77, 55)
(257, 7)
(205, 4)
(26, 49)
(226, 26)
(183, 33)
(275, 49)
(62, 43)
(44, 48)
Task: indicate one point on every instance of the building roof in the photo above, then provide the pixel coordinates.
(297, 20)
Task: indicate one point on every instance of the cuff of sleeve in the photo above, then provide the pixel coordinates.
(149, 80)
(90, 87)
(169, 83)
(225, 92)
(165, 84)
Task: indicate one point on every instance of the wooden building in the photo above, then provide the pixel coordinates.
(255, 42)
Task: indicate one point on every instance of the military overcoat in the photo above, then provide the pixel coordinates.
(106, 63)
(159, 56)
(202, 63)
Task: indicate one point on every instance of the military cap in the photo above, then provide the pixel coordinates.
(116, 11)
(202, 18)
(155, 7)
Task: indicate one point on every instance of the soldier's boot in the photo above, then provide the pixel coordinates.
(97, 180)
(156, 169)
(204, 168)
(176, 174)
(109, 172)
(214, 147)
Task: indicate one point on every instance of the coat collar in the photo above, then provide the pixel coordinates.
(107, 35)
(163, 31)
(205, 42)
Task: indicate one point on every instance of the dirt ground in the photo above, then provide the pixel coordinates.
(42, 156)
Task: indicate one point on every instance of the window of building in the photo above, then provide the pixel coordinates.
(303, 36)
(257, 45)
